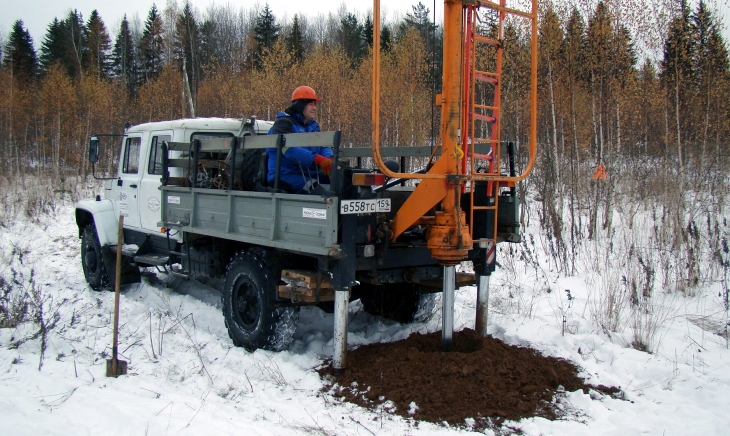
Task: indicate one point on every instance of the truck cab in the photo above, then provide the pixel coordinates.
(135, 192)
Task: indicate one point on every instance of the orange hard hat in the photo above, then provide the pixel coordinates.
(304, 92)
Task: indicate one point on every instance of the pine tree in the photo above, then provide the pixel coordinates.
(77, 46)
(19, 54)
(386, 39)
(295, 40)
(677, 74)
(99, 45)
(350, 36)
(52, 48)
(123, 60)
(187, 45)
(210, 46)
(421, 21)
(710, 57)
(151, 47)
(599, 59)
(602, 49)
(573, 57)
(266, 33)
(223, 39)
(367, 31)
(66, 43)
(550, 40)
(515, 84)
(710, 63)
(550, 44)
(651, 120)
(623, 64)
(574, 48)
(432, 40)
(701, 26)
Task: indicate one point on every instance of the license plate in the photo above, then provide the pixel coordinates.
(365, 206)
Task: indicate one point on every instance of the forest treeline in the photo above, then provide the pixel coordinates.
(598, 102)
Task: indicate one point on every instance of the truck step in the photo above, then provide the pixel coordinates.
(179, 272)
(152, 259)
(128, 250)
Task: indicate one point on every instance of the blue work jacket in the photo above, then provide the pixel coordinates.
(297, 163)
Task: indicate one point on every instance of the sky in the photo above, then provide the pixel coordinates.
(37, 14)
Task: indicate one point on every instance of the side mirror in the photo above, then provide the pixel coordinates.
(93, 149)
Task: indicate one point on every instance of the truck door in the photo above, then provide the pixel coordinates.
(149, 188)
(128, 182)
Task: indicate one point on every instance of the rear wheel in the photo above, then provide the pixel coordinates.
(250, 287)
(92, 259)
(402, 302)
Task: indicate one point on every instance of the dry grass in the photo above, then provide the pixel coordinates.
(652, 241)
(30, 197)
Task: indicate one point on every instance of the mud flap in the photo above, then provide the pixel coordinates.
(130, 271)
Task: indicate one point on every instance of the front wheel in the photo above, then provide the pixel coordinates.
(92, 259)
(250, 286)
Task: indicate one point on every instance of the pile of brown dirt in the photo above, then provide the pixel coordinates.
(483, 378)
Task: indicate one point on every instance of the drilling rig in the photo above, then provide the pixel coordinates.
(195, 199)
(462, 187)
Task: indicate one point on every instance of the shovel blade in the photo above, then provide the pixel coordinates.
(121, 368)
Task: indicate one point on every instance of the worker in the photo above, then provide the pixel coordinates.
(302, 170)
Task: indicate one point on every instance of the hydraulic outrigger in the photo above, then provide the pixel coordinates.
(450, 238)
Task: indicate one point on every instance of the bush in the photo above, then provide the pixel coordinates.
(13, 303)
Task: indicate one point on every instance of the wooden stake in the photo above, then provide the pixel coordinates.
(117, 367)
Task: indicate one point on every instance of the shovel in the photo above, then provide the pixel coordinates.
(114, 366)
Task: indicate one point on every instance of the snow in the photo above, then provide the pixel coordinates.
(186, 377)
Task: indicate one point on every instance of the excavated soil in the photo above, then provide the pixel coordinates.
(483, 378)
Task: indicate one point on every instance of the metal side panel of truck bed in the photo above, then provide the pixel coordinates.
(300, 223)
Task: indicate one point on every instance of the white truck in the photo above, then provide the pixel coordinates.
(195, 200)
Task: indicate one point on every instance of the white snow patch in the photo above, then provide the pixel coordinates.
(412, 408)
(186, 377)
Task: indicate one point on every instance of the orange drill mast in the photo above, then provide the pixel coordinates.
(448, 232)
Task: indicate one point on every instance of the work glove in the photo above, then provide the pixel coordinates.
(323, 162)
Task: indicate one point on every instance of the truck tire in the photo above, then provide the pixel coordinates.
(402, 302)
(250, 285)
(92, 259)
(250, 169)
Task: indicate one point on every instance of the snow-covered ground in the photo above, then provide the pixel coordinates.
(186, 377)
